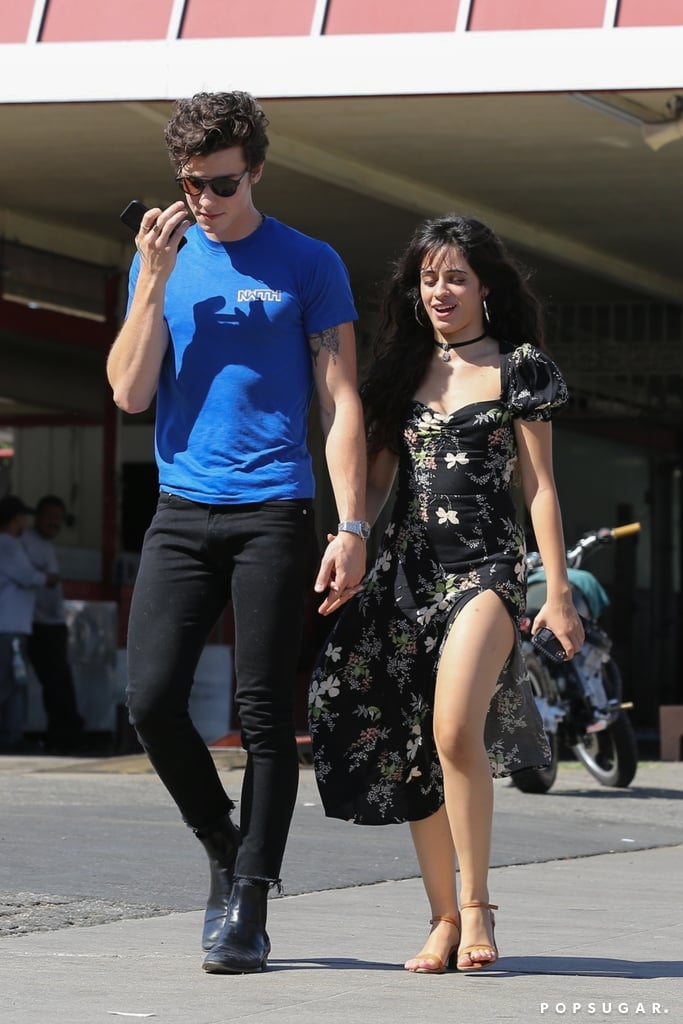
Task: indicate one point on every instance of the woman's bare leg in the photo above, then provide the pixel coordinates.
(436, 857)
(477, 647)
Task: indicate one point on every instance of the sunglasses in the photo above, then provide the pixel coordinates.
(223, 186)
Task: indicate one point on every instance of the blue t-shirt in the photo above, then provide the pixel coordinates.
(236, 381)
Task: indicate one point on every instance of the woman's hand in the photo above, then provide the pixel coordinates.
(563, 619)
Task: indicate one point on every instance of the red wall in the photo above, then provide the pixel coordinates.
(15, 20)
(86, 20)
(216, 19)
(494, 15)
(653, 12)
(89, 20)
(362, 16)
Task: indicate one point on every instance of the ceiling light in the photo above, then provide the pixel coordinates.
(656, 133)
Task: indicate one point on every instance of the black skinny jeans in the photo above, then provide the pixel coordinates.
(195, 559)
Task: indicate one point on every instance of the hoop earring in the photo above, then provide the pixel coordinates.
(417, 314)
(487, 317)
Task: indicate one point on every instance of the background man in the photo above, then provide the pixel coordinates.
(19, 582)
(48, 644)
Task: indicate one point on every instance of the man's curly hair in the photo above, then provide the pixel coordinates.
(210, 121)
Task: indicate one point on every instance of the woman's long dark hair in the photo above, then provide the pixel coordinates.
(403, 347)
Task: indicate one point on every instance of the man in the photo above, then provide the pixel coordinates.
(48, 644)
(19, 582)
(232, 333)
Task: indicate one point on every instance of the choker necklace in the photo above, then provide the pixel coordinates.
(445, 346)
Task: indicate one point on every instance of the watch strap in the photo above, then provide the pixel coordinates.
(357, 526)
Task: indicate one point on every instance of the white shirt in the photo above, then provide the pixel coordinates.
(19, 582)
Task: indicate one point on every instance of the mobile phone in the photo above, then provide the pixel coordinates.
(132, 218)
(547, 643)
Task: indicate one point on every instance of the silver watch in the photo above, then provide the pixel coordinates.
(357, 526)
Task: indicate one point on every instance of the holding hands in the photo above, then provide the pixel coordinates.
(341, 570)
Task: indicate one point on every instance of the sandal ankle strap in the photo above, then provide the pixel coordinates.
(449, 920)
(479, 903)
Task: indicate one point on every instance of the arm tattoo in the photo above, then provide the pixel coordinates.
(328, 340)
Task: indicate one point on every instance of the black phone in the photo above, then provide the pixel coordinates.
(547, 643)
(132, 218)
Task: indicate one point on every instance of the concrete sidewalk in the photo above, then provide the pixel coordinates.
(590, 939)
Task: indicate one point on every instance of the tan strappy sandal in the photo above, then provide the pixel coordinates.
(478, 965)
(435, 965)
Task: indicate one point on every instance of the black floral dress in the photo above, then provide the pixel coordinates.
(453, 534)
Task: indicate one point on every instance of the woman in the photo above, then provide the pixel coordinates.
(421, 696)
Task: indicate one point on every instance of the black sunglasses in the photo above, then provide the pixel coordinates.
(223, 186)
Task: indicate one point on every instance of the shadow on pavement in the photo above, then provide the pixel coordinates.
(638, 793)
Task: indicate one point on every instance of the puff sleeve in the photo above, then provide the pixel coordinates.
(533, 387)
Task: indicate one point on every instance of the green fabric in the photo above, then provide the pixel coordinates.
(591, 588)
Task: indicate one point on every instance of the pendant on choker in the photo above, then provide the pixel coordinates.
(445, 346)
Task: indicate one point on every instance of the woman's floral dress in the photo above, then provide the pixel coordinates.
(453, 534)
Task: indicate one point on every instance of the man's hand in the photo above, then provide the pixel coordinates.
(159, 235)
(341, 570)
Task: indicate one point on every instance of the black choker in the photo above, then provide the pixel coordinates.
(445, 346)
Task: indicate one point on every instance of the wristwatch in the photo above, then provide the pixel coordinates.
(357, 526)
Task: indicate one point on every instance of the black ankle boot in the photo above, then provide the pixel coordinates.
(243, 945)
(221, 841)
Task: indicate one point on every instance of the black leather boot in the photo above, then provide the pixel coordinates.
(221, 841)
(243, 945)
